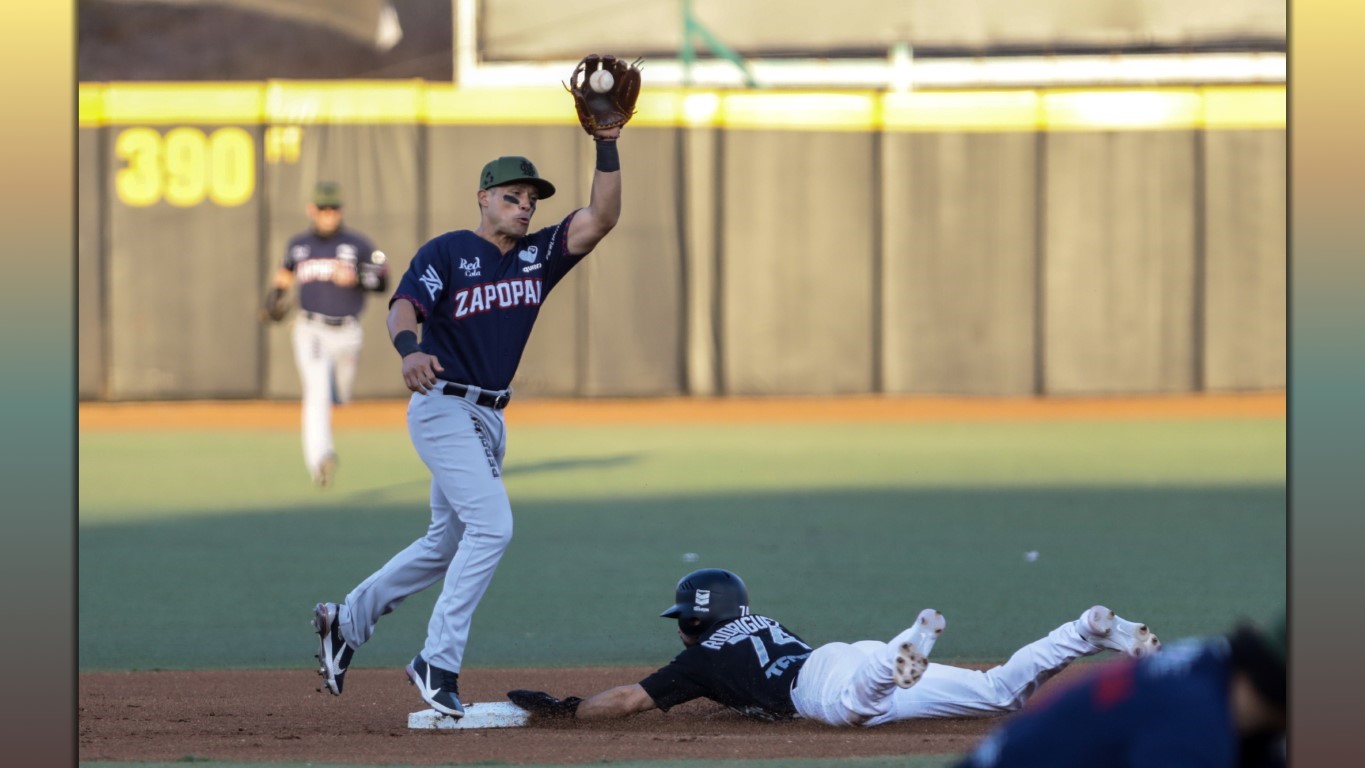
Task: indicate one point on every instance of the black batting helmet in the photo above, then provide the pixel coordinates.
(707, 598)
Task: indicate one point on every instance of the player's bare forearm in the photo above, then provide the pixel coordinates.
(604, 209)
(283, 279)
(621, 701)
(605, 200)
(419, 368)
(402, 317)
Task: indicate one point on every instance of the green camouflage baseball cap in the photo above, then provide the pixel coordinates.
(327, 193)
(510, 168)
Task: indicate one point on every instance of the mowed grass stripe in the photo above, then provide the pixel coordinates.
(209, 550)
(137, 476)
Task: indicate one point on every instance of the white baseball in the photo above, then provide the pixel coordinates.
(601, 81)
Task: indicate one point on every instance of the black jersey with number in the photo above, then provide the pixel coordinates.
(748, 664)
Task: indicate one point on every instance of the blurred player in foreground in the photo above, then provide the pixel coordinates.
(756, 666)
(1217, 702)
(334, 267)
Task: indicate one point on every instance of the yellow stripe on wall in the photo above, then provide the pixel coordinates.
(415, 102)
(1245, 108)
(90, 105)
(183, 103)
(1122, 110)
(294, 102)
(954, 111)
(816, 111)
(448, 105)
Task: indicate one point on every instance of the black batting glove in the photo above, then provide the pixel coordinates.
(542, 704)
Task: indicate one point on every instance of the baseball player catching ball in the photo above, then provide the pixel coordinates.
(478, 293)
(334, 267)
(756, 666)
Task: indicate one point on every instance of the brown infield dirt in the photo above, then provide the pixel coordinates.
(273, 715)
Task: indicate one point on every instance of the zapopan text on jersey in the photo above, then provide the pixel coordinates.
(503, 294)
(313, 270)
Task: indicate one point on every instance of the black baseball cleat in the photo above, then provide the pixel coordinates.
(333, 653)
(439, 688)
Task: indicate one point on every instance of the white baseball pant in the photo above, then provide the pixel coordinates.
(326, 356)
(851, 684)
(471, 525)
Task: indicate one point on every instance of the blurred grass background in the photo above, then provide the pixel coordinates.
(208, 549)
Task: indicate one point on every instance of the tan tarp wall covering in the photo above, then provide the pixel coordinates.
(960, 244)
(183, 286)
(797, 237)
(1119, 262)
(1245, 287)
(748, 261)
(90, 311)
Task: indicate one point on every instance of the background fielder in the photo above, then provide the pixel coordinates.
(334, 267)
(758, 667)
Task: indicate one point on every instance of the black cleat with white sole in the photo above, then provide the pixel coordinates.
(438, 687)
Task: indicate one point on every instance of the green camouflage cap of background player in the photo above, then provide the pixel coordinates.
(327, 193)
(511, 168)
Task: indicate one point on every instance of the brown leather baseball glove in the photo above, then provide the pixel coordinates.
(277, 305)
(613, 107)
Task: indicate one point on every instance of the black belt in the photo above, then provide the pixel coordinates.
(328, 319)
(486, 399)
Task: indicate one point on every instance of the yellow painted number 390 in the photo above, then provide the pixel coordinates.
(184, 167)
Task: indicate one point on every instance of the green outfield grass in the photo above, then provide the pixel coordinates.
(209, 550)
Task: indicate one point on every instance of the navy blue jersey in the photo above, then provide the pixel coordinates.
(748, 664)
(478, 305)
(1170, 710)
(316, 262)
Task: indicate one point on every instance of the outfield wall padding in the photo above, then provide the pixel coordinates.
(960, 249)
(183, 281)
(1245, 317)
(797, 262)
(1119, 262)
(633, 281)
(90, 309)
(977, 243)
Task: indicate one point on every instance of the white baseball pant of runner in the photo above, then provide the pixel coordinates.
(327, 356)
(851, 684)
(471, 525)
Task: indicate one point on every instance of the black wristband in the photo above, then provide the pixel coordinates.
(406, 343)
(608, 159)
